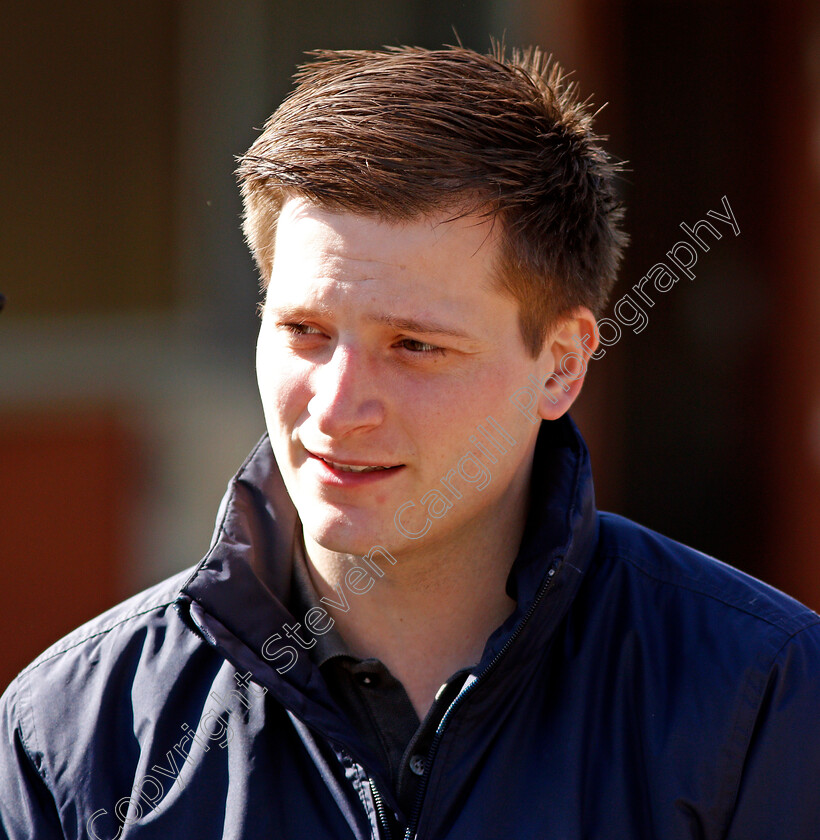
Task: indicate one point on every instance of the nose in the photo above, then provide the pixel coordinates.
(345, 394)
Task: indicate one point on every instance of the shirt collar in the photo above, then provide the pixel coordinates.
(304, 597)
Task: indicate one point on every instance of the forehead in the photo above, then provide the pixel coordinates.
(313, 239)
(438, 271)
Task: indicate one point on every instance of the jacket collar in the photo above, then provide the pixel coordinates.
(237, 595)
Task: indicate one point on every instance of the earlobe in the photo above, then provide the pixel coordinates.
(566, 359)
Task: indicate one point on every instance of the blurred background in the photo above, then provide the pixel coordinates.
(127, 389)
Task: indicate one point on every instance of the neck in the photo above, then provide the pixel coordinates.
(432, 612)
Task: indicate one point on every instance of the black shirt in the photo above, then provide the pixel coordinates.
(375, 702)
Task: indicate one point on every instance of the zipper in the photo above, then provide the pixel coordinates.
(409, 834)
(377, 799)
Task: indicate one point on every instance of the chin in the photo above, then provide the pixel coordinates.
(337, 531)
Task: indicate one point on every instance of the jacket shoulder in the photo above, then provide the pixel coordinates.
(744, 660)
(120, 665)
(699, 577)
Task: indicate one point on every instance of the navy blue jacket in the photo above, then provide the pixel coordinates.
(639, 690)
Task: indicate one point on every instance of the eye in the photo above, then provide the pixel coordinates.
(421, 347)
(300, 329)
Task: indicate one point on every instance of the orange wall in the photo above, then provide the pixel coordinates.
(66, 480)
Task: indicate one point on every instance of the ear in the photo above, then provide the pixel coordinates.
(563, 362)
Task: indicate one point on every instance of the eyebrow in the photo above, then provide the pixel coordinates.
(299, 313)
(396, 322)
(424, 327)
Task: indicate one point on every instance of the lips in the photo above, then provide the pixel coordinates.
(351, 468)
(345, 466)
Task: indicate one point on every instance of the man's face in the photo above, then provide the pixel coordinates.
(385, 345)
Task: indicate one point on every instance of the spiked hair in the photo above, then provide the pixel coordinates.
(406, 132)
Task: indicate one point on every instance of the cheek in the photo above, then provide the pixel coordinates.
(446, 417)
(485, 391)
(489, 395)
(283, 383)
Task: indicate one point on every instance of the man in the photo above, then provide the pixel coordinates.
(412, 621)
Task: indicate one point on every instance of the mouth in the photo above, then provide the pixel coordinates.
(354, 469)
(351, 468)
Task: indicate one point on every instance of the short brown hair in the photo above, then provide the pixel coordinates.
(404, 132)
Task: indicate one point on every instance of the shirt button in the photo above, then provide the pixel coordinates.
(417, 765)
(366, 679)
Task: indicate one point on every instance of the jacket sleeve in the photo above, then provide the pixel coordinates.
(27, 808)
(779, 792)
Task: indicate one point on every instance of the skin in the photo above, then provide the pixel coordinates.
(387, 344)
